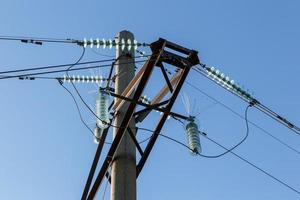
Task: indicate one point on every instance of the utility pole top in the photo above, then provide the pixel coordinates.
(124, 36)
(123, 171)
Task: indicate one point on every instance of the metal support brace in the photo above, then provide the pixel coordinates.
(94, 165)
(162, 121)
(135, 141)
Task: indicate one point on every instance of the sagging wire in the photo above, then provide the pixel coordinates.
(232, 148)
(239, 143)
(228, 150)
(242, 117)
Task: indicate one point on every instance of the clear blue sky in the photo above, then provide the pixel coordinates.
(46, 152)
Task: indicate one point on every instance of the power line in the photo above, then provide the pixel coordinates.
(64, 70)
(58, 66)
(78, 93)
(84, 43)
(239, 143)
(235, 154)
(38, 40)
(232, 148)
(242, 117)
(256, 167)
(54, 66)
(239, 92)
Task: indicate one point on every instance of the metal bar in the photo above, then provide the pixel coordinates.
(144, 79)
(162, 93)
(141, 114)
(162, 121)
(135, 141)
(173, 59)
(110, 73)
(129, 89)
(178, 48)
(112, 103)
(166, 77)
(149, 107)
(94, 165)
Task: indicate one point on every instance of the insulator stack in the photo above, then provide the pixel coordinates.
(227, 83)
(193, 137)
(83, 79)
(102, 104)
(117, 43)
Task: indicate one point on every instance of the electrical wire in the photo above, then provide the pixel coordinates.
(58, 66)
(242, 117)
(54, 66)
(101, 54)
(80, 96)
(235, 154)
(78, 109)
(78, 93)
(64, 70)
(238, 144)
(256, 103)
(38, 39)
(256, 167)
(79, 112)
(77, 106)
(98, 66)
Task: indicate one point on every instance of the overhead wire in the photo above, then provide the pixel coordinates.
(57, 66)
(239, 143)
(257, 104)
(64, 70)
(78, 93)
(76, 63)
(54, 66)
(38, 39)
(236, 145)
(74, 99)
(256, 167)
(233, 153)
(101, 54)
(242, 117)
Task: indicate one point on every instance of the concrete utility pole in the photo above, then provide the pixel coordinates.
(123, 174)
